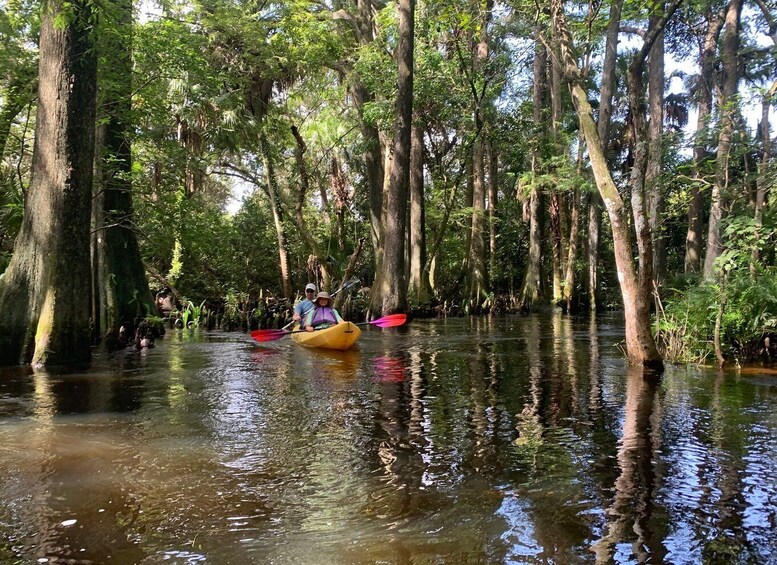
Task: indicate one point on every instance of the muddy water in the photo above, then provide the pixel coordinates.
(511, 440)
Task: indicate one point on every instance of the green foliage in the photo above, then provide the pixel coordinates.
(235, 312)
(192, 315)
(11, 210)
(749, 314)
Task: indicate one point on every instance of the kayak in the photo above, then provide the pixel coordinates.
(340, 336)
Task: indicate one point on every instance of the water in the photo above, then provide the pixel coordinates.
(517, 440)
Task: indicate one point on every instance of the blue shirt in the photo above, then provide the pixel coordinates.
(303, 307)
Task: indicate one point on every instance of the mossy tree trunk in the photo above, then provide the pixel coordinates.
(44, 295)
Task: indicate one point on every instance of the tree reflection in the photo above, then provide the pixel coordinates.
(635, 487)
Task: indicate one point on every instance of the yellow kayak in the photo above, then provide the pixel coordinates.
(340, 336)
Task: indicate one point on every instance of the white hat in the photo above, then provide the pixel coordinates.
(311, 286)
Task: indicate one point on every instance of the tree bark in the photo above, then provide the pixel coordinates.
(374, 169)
(707, 61)
(44, 295)
(531, 290)
(394, 295)
(730, 81)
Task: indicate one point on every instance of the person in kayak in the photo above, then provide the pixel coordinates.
(322, 315)
(305, 305)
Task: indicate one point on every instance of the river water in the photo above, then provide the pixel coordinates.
(506, 440)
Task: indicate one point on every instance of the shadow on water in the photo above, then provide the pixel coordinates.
(521, 439)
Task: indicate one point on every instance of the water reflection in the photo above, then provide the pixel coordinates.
(628, 527)
(487, 440)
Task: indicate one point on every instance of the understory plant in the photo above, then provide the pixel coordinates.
(740, 307)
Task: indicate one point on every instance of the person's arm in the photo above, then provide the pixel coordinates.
(309, 320)
(297, 312)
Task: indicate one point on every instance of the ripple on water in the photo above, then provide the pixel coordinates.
(214, 449)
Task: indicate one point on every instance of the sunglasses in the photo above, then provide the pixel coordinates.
(308, 290)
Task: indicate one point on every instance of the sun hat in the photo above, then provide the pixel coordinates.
(311, 286)
(321, 295)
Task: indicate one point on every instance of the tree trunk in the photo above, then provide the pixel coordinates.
(554, 213)
(531, 287)
(707, 61)
(762, 182)
(302, 226)
(394, 295)
(730, 81)
(44, 295)
(557, 213)
(339, 185)
(418, 284)
(653, 184)
(121, 294)
(637, 178)
(640, 345)
(603, 128)
(638, 172)
(476, 274)
(375, 170)
(271, 190)
(492, 207)
(477, 284)
(531, 290)
(574, 227)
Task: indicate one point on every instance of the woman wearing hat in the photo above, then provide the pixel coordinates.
(322, 315)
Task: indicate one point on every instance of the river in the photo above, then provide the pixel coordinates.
(467, 440)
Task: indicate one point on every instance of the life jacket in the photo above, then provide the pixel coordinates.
(322, 315)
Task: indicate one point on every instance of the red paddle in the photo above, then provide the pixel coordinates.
(390, 321)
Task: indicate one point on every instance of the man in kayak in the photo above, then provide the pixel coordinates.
(322, 315)
(306, 304)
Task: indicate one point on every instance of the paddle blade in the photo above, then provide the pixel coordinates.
(268, 335)
(390, 321)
